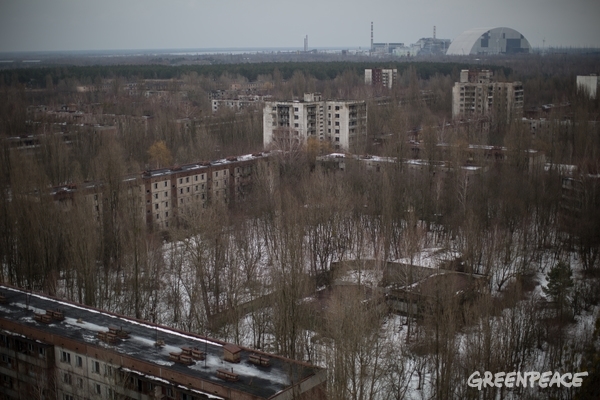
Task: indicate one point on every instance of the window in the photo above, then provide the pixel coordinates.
(166, 194)
(156, 206)
(295, 117)
(216, 173)
(98, 389)
(156, 195)
(67, 378)
(202, 176)
(337, 108)
(167, 214)
(337, 123)
(337, 115)
(188, 189)
(337, 131)
(187, 180)
(166, 183)
(156, 186)
(167, 204)
(295, 108)
(80, 383)
(196, 188)
(79, 361)
(108, 371)
(68, 397)
(65, 357)
(42, 352)
(196, 177)
(157, 216)
(337, 139)
(96, 367)
(181, 191)
(180, 180)
(295, 125)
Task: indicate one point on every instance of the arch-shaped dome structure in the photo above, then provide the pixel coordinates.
(489, 41)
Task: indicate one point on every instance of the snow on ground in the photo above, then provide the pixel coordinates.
(366, 277)
(429, 258)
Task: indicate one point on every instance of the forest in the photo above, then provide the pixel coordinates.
(306, 265)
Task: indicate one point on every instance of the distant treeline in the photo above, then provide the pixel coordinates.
(38, 77)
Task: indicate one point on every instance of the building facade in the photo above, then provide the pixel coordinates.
(51, 349)
(588, 84)
(385, 77)
(478, 94)
(287, 125)
(167, 197)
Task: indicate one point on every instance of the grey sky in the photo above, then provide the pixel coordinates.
(33, 25)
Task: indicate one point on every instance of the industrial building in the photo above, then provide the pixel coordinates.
(53, 349)
(478, 94)
(287, 125)
(489, 41)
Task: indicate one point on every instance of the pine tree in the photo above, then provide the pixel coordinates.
(559, 286)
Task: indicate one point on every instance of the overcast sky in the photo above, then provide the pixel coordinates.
(48, 25)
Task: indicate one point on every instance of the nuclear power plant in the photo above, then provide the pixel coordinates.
(484, 41)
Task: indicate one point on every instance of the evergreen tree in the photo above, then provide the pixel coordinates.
(559, 286)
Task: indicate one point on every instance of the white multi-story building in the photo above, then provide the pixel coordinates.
(288, 125)
(478, 94)
(588, 84)
(385, 77)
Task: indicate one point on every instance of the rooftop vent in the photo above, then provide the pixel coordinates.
(259, 360)
(120, 332)
(193, 352)
(113, 335)
(56, 315)
(227, 375)
(232, 353)
(181, 358)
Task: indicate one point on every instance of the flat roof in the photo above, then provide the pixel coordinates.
(262, 382)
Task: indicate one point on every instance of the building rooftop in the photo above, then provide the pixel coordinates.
(82, 324)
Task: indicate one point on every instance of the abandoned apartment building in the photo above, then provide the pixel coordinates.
(54, 349)
(167, 196)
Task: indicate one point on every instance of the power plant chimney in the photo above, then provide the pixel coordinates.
(306, 44)
(434, 31)
(371, 36)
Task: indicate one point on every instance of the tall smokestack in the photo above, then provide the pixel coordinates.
(306, 44)
(434, 31)
(371, 36)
